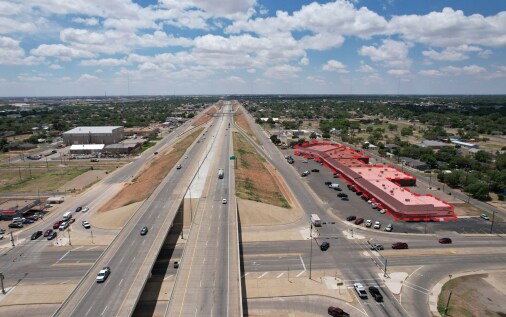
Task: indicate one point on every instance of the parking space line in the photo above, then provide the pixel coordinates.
(300, 273)
(280, 275)
(263, 275)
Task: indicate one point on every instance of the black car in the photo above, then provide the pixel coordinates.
(337, 312)
(78, 209)
(400, 245)
(342, 195)
(351, 218)
(315, 170)
(445, 240)
(324, 246)
(144, 231)
(27, 221)
(376, 293)
(52, 235)
(344, 198)
(328, 183)
(16, 225)
(36, 235)
(176, 264)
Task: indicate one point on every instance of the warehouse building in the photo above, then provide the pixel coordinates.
(94, 135)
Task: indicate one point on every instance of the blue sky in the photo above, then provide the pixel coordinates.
(132, 47)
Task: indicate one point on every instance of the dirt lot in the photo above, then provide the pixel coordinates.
(150, 177)
(84, 180)
(254, 213)
(115, 218)
(253, 179)
(32, 180)
(475, 295)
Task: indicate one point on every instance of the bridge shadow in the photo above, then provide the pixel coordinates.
(148, 304)
(243, 279)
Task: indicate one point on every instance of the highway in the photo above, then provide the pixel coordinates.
(208, 281)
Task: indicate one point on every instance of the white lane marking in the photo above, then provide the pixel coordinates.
(168, 277)
(120, 282)
(64, 282)
(104, 310)
(133, 259)
(302, 261)
(204, 261)
(300, 273)
(88, 310)
(280, 275)
(62, 257)
(92, 248)
(413, 272)
(263, 275)
(245, 274)
(77, 248)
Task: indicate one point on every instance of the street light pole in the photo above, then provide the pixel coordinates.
(492, 224)
(311, 248)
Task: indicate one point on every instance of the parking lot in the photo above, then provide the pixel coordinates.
(356, 206)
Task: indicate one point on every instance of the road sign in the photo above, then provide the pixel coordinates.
(232, 157)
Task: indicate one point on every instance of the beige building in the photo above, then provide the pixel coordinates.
(94, 135)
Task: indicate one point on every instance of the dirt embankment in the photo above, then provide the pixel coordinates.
(206, 116)
(240, 119)
(151, 176)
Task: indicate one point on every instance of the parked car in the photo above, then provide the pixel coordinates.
(377, 225)
(86, 224)
(34, 218)
(345, 199)
(27, 221)
(351, 218)
(337, 312)
(376, 247)
(359, 288)
(36, 235)
(324, 246)
(315, 170)
(78, 209)
(57, 224)
(445, 241)
(399, 245)
(48, 232)
(15, 225)
(304, 161)
(376, 293)
(368, 223)
(103, 274)
(342, 195)
(484, 216)
(374, 206)
(52, 235)
(64, 225)
(144, 231)
(359, 221)
(328, 183)
(389, 228)
(383, 211)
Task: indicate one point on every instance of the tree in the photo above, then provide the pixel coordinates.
(407, 131)
(478, 190)
(392, 127)
(482, 156)
(275, 140)
(312, 136)
(326, 135)
(500, 162)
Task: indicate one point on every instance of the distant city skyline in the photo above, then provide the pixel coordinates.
(211, 47)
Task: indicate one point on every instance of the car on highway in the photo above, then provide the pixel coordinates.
(155, 153)
(337, 312)
(57, 224)
(377, 225)
(15, 225)
(359, 221)
(224, 201)
(85, 209)
(48, 232)
(103, 274)
(351, 218)
(399, 245)
(144, 231)
(94, 160)
(389, 228)
(78, 209)
(178, 166)
(368, 223)
(376, 246)
(176, 264)
(376, 293)
(86, 224)
(324, 246)
(36, 235)
(52, 235)
(359, 288)
(445, 241)
(484, 216)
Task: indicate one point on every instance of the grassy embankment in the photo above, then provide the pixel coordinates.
(240, 119)
(253, 181)
(151, 176)
(33, 180)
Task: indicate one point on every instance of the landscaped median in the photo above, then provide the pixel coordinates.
(152, 175)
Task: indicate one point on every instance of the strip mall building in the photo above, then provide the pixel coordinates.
(386, 186)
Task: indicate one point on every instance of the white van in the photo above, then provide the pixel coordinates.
(67, 216)
(316, 220)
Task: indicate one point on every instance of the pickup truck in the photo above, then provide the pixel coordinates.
(359, 288)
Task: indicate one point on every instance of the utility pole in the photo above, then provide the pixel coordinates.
(311, 249)
(92, 237)
(492, 224)
(385, 272)
(448, 302)
(12, 240)
(2, 282)
(70, 242)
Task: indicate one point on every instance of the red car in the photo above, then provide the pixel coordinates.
(400, 245)
(445, 240)
(359, 221)
(48, 232)
(57, 224)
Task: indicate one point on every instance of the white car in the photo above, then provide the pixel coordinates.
(304, 161)
(377, 225)
(374, 206)
(368, 223)
(103, 274)
(224, 201)
(482, 216)
(383, 211)
(86, 224)
(359, 288)
(389, 228)
(85, 209)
